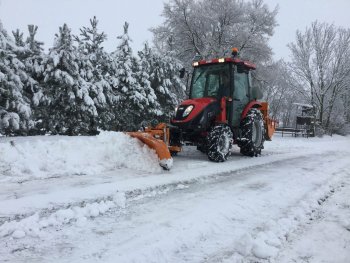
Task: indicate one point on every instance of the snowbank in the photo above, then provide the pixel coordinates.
(26, 158)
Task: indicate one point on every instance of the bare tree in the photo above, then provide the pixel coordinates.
(280, 91)
(211, 28)
(320, 67)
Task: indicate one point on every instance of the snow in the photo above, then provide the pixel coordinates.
(106, 199)
(326, 240)
(33, 224)
(10, 118)
(18, 234)
(31, 158)
(56, 59)
(166, 163)
(263, 250)
(303, 105)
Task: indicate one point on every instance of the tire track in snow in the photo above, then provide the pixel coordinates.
(318, 216)
(265, 242)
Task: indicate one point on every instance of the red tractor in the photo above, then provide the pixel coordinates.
(222, 109)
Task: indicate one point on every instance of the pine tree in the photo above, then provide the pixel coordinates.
(18, 35)
(71, 109)
(15, 109)
(163, 74)
(153, 110)
(134, 99)
(95, 68)
(30, 53)
(34, 67)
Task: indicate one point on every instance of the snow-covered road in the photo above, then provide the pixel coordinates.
(267, 209)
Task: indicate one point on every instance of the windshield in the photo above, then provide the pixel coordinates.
(209, 80)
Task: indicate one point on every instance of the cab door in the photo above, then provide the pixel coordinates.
(240, 94)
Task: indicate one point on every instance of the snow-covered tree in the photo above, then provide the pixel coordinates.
(33, 61)
(30, 53)
(36, 56)
(164, 79)
(71, 110)
(135, 98)
(211, 28)
(280, 91)
(18, 36)
(153, 109)
(15, 109)
(321, 68)
(95, 66)
(75, 90)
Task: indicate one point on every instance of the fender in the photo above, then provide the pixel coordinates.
(250, 105)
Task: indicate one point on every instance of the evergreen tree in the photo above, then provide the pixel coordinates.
(34, 67)
(164, 78)
(95, 68)
(30, 53)
(77, 90)
(153, 109)
(34, 45)
(18, 35)
(71, 109)
(134, 99)
(15, 109)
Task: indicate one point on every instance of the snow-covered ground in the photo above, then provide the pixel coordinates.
(105, 199)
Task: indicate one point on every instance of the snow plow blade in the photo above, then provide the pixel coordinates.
(157, 138)
(270, 124)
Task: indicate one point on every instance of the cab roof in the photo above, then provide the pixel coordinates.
(236, 61)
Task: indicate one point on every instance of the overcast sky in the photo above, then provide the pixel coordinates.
(143, 14)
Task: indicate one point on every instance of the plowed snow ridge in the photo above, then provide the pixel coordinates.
(23, 159)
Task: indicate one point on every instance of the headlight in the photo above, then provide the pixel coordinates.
(187, 111)
(176, 109)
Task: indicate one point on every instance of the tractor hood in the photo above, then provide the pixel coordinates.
(194, 113)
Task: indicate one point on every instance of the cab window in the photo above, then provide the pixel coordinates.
(241, 85)
(208, 80)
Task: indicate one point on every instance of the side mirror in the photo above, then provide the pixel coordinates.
(182, 73)
(256, 93)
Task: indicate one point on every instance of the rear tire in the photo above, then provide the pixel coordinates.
(252, 136)
(220, 140)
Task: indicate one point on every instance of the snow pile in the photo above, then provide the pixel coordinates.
(42, 157)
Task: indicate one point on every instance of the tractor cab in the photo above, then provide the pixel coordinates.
(219, 91)
(224, 78)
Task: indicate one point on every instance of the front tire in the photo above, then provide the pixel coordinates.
(220, 140)
(252, 136)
